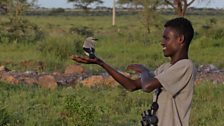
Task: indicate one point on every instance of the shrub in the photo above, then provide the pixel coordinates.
(80, 111)
(83, 31)
(60, 47)
(218, 34)
(20, 31)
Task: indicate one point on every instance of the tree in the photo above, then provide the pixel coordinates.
(129, 3)
(180, 6)
(84, 3)
(15, 7)
(17, 28)
(148, 15)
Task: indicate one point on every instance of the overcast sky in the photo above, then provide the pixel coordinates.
(108, 3)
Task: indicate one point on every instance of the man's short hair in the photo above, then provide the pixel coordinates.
(183, 27)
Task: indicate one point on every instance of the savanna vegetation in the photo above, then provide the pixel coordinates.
(50, 40)
(99, 106)
(127, 42)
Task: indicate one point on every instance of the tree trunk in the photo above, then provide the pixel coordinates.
(180, 6)
(114, 14)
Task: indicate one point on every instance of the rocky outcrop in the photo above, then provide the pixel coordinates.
(211, 73)
(46, 80)
(75, 74)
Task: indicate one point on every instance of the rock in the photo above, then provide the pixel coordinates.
(93, 81)
(10, 79)
(66, 80)
(74, 69)
(56, 73)
(213, 77)
(32, 73)
(3, 69)
(110, 81)
(208, 68)
(47, 81)
(29, 81)
(99, 80)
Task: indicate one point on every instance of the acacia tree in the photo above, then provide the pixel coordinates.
(148, 13)
(15, 7)
(180, 6)
(84, 4)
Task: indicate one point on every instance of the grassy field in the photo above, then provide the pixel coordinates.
(123, 44)
(100, 106)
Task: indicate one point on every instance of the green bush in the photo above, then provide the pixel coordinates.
(20, 32)
(218, 34)
(81, 112)
(62, 48)
(82, 30)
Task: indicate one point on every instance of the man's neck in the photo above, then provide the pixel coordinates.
(179, 56)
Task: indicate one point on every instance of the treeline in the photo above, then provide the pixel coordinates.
(119, 12)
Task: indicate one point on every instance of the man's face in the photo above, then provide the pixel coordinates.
(170, 42)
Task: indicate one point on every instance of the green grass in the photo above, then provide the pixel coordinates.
(208, 105)
(31, 105)
(121, 45)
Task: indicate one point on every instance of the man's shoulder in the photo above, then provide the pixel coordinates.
(181, 64)
(185, 62)
(162, 67)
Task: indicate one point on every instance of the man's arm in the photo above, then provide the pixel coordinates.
(126, 82)
(151, 85)
(148, 80)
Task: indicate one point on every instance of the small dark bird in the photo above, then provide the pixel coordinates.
(89, 47)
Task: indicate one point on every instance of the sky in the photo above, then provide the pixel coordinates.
(108, 3)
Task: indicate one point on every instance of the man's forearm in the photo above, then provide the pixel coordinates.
(146, 77)
(126, 82)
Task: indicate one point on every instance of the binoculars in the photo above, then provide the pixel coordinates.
(149, 117)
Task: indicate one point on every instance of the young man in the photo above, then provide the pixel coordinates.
(175, 79)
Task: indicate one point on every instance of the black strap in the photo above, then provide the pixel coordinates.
(158, 91)
(149, 117)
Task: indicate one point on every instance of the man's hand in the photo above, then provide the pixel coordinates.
(148, 82)
(86, 60)
(139, 68)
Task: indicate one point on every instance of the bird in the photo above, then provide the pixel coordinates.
(89, 47)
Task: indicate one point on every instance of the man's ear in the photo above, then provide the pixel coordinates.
(181, 39)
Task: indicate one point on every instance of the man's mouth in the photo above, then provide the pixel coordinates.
(164, 48)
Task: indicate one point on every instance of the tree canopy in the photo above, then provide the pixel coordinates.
(180, 6)
(84, 4)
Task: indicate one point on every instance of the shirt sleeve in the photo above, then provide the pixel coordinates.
(176, 77)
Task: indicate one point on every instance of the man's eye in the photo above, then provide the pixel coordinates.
(165, 38)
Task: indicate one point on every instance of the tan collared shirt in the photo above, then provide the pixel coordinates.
(177, 91)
